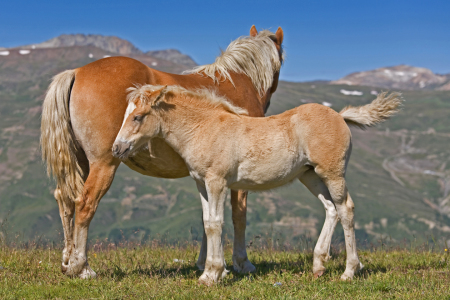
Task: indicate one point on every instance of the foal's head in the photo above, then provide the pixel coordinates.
(142, 121)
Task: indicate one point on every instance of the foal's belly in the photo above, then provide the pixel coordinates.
(159, 160)
(267, 178)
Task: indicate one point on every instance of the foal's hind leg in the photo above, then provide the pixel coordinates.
(345, 209)
(321, 252)
(100, 177)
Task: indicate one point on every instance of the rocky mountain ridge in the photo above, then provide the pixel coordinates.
(398, 77)
(111, 44)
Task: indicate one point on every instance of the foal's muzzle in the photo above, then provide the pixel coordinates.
(121, 149)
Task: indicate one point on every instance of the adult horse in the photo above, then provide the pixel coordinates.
(84, 109)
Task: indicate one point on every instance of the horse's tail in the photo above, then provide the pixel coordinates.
(58, 143)
(373, 113)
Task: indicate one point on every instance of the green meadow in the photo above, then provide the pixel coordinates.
(159, 270)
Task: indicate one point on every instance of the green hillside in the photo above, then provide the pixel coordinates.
(399, 173)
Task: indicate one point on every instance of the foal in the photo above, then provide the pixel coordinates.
(223, 149)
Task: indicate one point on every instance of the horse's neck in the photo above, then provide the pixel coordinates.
(240, 93)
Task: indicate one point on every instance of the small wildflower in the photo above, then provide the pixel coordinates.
(445, 249)
(277, 284)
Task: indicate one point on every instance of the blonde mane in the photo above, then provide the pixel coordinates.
(257, 57)
(208, 97)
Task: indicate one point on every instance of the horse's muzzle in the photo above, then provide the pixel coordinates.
(121, 149)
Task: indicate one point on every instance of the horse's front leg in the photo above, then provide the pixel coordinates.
(97, 184)
(239, 215)
(213, 199)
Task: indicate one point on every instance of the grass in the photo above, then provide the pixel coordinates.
(163, 271)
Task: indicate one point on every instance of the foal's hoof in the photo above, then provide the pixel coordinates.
(319, 273)
(348, 275)
(206, 280)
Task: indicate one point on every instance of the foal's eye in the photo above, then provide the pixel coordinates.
(137, 118)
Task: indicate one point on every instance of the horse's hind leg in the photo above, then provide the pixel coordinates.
(66, 212)
(345, 209)
(321, 252)
(100, 177)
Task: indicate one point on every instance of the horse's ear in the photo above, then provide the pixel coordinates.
(279, 35)
(161, 95)
(253, 31)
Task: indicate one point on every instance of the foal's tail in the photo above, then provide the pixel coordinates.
(376, 112)
(58, 142)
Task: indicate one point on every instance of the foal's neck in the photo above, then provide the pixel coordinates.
(181, 124)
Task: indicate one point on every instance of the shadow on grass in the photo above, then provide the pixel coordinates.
(335, 267)
(119, 274)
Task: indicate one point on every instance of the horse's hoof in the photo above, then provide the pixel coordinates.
(244, 267)
(64, 268)
(200, 266)
(87, 273)
(224, 273)
(318, 273)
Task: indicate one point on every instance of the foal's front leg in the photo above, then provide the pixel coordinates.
(213, 199)
(241, 263)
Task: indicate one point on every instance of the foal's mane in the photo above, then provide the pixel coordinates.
(208, 98)
(257, 57)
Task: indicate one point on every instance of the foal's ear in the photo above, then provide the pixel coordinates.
(161, 95)
(253, 31)
(279, 35)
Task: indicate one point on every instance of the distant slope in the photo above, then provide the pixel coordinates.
(398, 174)
(398, 77)
(173, 55)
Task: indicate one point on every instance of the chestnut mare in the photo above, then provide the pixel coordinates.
(311, 143)
(84, 109)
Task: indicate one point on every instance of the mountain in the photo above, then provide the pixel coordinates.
(173, 55)
(111, 44)
(108, 43)
(399, 172)
(398, 77)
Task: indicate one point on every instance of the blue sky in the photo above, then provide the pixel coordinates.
(323, 39)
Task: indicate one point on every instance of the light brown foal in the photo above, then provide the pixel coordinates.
(311, 143)
(84, 110)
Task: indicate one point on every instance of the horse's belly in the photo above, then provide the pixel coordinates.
(159, 160)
